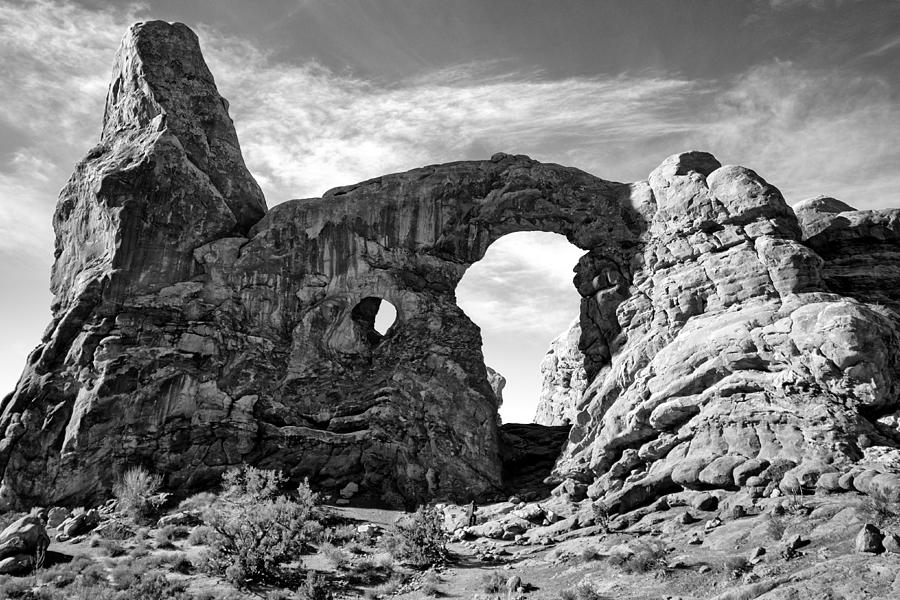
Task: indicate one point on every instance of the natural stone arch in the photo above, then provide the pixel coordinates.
(408, 238)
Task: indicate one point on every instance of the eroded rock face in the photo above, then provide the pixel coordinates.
(563, 379)
(726, 340)
(737, 347)
(193, 331)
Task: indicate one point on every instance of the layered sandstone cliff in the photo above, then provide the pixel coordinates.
(725, 339)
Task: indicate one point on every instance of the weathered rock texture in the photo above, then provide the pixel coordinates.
(725, 342)
(754, 349)
(193, 331)
(563, 379)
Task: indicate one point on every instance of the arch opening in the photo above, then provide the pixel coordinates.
(522, 297)
(374, 316)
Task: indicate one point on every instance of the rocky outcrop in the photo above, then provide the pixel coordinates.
(193, 331)
(727, 341)
(563, 379)
(739, 356)
(497, 383)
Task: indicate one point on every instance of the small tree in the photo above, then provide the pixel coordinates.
(256, 529)
(421, 542)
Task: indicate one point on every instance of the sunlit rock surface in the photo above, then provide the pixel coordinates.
(563, 379)
(727, 341)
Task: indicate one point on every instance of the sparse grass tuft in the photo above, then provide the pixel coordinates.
(493, 582)
(582, 591)
(315, 587)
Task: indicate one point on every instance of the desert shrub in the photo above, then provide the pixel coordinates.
(430, 584)
(315, 587)
(336, 557)
(63, 574)
(881, 513)
(155, 586)
(582, 591)
(183, 565)
(645, 556)
(140, 550)
(421, 542)
(601, 515)
(366, 571)
(775, 527)
(590, 553)
(390, 587)
(353, 547)
(493, 582)
(112, 548)
(735, 566)
(135, 493)
(166, 537)
(257, 530)
(200, 501)
(201, 535)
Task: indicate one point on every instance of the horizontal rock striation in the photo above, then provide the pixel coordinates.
(724, 339)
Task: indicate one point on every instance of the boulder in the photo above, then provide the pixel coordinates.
(23, 536)
(829, 483)
(17, 564)
(891, 543)
(80, 524)
(57, 515)
(705, 502)
(185, 518)
(869, 539)
(491, 529)
(349, 490)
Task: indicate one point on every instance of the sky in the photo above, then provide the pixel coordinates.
(329, 92)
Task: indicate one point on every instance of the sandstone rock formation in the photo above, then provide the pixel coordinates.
(193, 331)
(742, 353)
(727, 341)
(563, 379)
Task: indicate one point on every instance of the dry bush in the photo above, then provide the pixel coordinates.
(735, 566)
(135, 493)
(775, 527)
(590, 553)
(315, 587)
(201, 535)
(200, 501)
(582, 591)
(646, 556)
(166, 537)
(880, 513)
(257, 530)
(422, 542)
(493, 582)
(335, 556)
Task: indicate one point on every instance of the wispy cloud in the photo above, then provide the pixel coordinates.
(56, 62)
(811, 131)
(305, 129)
(523, 285)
